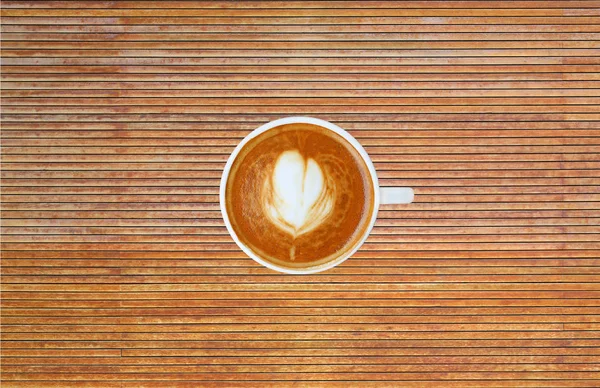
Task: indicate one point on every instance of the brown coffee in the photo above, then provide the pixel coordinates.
(299, 195)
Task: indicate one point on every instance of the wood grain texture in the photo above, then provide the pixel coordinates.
(117, 120)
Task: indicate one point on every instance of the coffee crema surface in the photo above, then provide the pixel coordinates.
(299, 195)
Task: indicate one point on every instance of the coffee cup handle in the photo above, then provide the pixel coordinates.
(396, 195)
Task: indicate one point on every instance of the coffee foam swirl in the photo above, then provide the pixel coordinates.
(297, 197)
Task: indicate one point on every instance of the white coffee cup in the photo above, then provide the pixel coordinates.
(383, 195)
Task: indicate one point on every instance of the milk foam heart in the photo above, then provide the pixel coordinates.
(297, 197)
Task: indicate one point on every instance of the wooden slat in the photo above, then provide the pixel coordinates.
(11, 36)
(126, 89)
(304, 20)
(118, 118)
(235, 118)
(296, 368)
(297, 4)
(304, 12)
(343, 101)
(295, 28)
(304, 53)
(333, 77)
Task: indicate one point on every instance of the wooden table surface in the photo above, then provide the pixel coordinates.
(118, 117)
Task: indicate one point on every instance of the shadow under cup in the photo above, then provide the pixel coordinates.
(299, 195)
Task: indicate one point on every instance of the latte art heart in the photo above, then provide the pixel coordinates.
(297, 196)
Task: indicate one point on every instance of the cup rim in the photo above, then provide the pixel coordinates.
(306, 120)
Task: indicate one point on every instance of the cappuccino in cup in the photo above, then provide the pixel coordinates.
(299, 196)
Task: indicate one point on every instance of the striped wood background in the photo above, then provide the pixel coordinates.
(118, 119)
